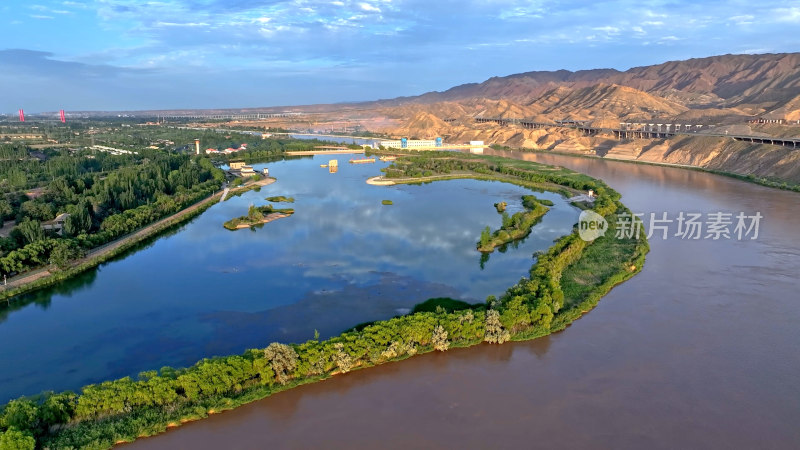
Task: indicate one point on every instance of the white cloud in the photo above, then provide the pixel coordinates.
(609, 30)
(650, 13)
(186, 24)
(369, 8)
(791, 15)
(744, 19)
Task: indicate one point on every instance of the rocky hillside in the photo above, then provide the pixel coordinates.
(755, 83)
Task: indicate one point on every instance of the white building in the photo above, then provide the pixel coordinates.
(56, 225)
(413, 143)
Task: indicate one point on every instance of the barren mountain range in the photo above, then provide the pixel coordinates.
(753, 84)
(722, 93)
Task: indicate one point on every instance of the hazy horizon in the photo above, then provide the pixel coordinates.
(126, 55)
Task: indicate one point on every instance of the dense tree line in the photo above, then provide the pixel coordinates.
(102, 206)
(102, 413)
(19, 170)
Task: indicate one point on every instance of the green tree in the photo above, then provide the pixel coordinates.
(13, 439)
(64, 252)
(507, 221)
(486, 236)
(21, 414)
(31, 231)
(6, 210)
(254, 213)
(79, 220)
(57, 408)
(37, 210)
(283, 360)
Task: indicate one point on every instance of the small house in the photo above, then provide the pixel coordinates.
(56, 225)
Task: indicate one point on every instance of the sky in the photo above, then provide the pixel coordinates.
(131, 55)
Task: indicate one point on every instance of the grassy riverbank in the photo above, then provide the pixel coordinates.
(556, 292)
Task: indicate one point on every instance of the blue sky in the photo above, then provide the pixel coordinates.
(128, 54)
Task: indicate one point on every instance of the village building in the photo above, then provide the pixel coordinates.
(56, 225)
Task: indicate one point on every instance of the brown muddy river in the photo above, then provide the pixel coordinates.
(700, 350)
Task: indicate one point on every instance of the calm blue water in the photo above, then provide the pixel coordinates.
(341, 259)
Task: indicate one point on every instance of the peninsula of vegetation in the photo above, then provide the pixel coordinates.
(514, 227)
(565, 282)
(257, 215)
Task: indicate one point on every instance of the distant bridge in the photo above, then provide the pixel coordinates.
(232, 116)
(642, 130)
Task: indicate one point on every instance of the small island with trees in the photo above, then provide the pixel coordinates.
(280, 199)
(516, 226)
(257, 215)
